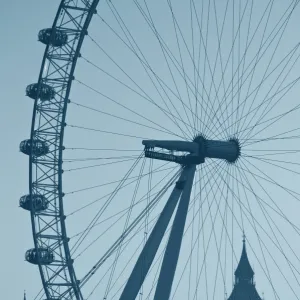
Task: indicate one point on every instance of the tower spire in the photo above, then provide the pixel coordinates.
(244, 270)
(24, 295)
(244, 287)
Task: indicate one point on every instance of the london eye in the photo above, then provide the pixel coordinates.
(164, 142)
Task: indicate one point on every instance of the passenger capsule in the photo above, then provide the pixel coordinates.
(35, 202)
(58, 39)
(44, 256)
(38, 147)
(46, 92)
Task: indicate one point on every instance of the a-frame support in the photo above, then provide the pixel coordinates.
(183, 188)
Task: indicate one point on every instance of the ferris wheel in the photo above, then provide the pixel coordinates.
(162, 132)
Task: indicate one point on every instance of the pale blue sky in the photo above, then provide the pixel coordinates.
(21, 56)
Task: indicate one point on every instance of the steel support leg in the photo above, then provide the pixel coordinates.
(147, 255)
(167, 272)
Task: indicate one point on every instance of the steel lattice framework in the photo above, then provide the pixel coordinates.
(48, 123)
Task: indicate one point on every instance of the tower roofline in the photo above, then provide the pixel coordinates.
(244, 270)
(244, 287)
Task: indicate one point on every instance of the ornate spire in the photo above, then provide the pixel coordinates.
(244, 287)
(244, 270)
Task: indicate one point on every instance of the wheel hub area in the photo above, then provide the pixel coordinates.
(195, 151)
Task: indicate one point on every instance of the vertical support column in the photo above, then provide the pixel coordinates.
(148, 253)
(167, 272)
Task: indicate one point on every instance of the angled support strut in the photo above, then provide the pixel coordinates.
(147, 255)
(167, 271)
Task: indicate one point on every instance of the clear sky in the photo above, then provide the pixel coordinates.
(150, 77)
(21, 56)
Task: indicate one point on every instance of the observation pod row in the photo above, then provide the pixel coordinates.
(56, 37)
(44, 92)
(34, 202)
(36, 147)
(44, 256)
